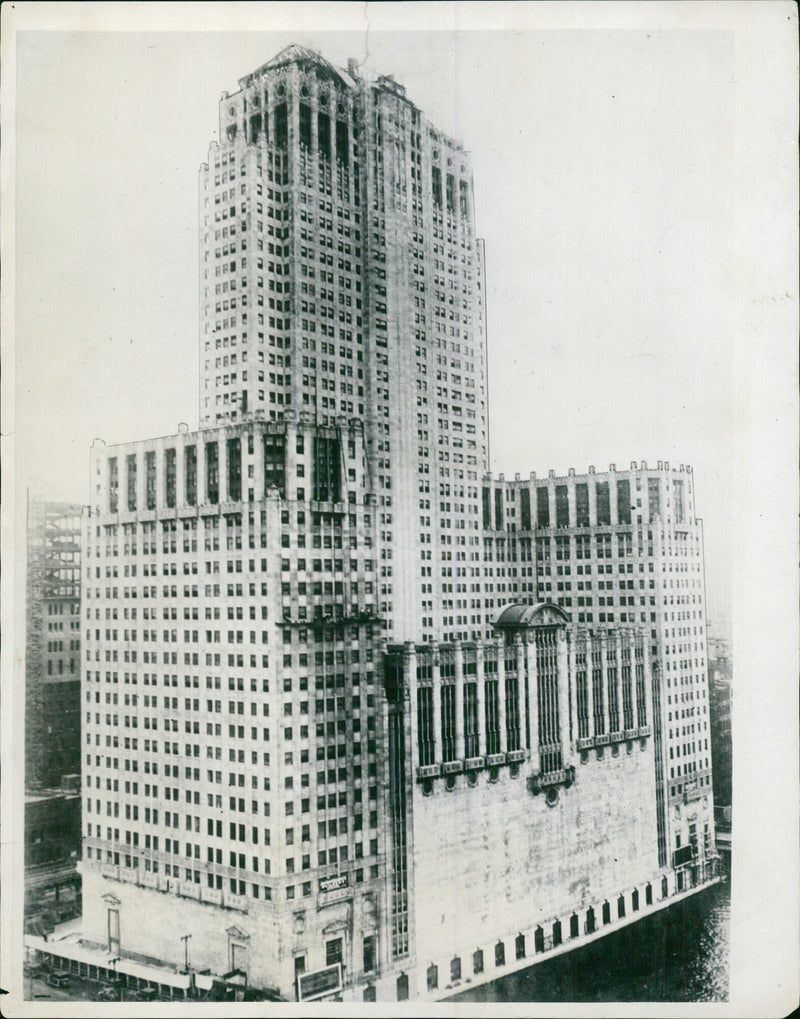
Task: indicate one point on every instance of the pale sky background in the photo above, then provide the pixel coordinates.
(636, 181)
(604, 188)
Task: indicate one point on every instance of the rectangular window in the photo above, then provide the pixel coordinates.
(113, 485)
(542, 507)
(623, 502)
(448, 722)
(327, 469)
(169, 477)
(512, 714)
(235, 469)
(333, 951)
(471, 719)
(130, 463)
(427, 747)
(582, 505)
(525, 508)
(190, 474)
(212, 472)
(562, 506)
(487, 509)
(492, 717)
(654, 498)
(603, 503)
(370, 956)
(677, 487)
(150, 479)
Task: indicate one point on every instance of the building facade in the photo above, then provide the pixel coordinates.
(52, 653)
(345, 715)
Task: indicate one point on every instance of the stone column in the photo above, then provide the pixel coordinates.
(501, 693)
(612, 497)
(481, 700)
(458, 662)
(437, 707)
(180, 476)
(222, 466)
(141, 484)
(520, 651)
(200, 471)
(589, 687)
(572, 697)
(562, 658)
(604, 660)
(259, 491)
(161, 485)
(618, 656)
(634, 689)
(533, 697)
(648, 681)
(572, 502)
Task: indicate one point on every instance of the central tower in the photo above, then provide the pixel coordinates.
(340, 276)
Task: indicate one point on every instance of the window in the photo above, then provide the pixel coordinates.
(499, 954)
(433, 977)
(455, 968)
(369, 953)
(574, 928)
(606, 912)
(369, 993)
(402, 987)
(557, 933)
(519, 946)
(333, 951)
(477, 961)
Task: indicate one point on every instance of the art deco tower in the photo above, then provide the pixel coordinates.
(340, 276)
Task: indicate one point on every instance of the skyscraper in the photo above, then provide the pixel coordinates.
(333, 721)
(341, 276)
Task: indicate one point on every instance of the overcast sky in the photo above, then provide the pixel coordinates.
(605, 189)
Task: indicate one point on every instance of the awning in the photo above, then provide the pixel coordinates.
(94, 957)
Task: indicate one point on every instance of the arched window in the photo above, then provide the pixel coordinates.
(433, 977)
(557, 932)
(519, 946)
(621, 906)
(606, 912)
(590, 925)
(538, 940)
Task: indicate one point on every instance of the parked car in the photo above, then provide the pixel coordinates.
(58, 978)
(147, 994)
(107, 994)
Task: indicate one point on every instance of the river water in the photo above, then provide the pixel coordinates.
(677, 954)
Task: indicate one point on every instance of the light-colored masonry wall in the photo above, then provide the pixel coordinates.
(499, 860)
(153, 922)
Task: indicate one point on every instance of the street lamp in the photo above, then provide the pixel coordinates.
(185, 940)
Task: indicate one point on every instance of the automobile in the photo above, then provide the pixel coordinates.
(58, 978)
(107, 994)
(147, 994)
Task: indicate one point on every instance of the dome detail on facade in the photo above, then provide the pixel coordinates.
(520, 615)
